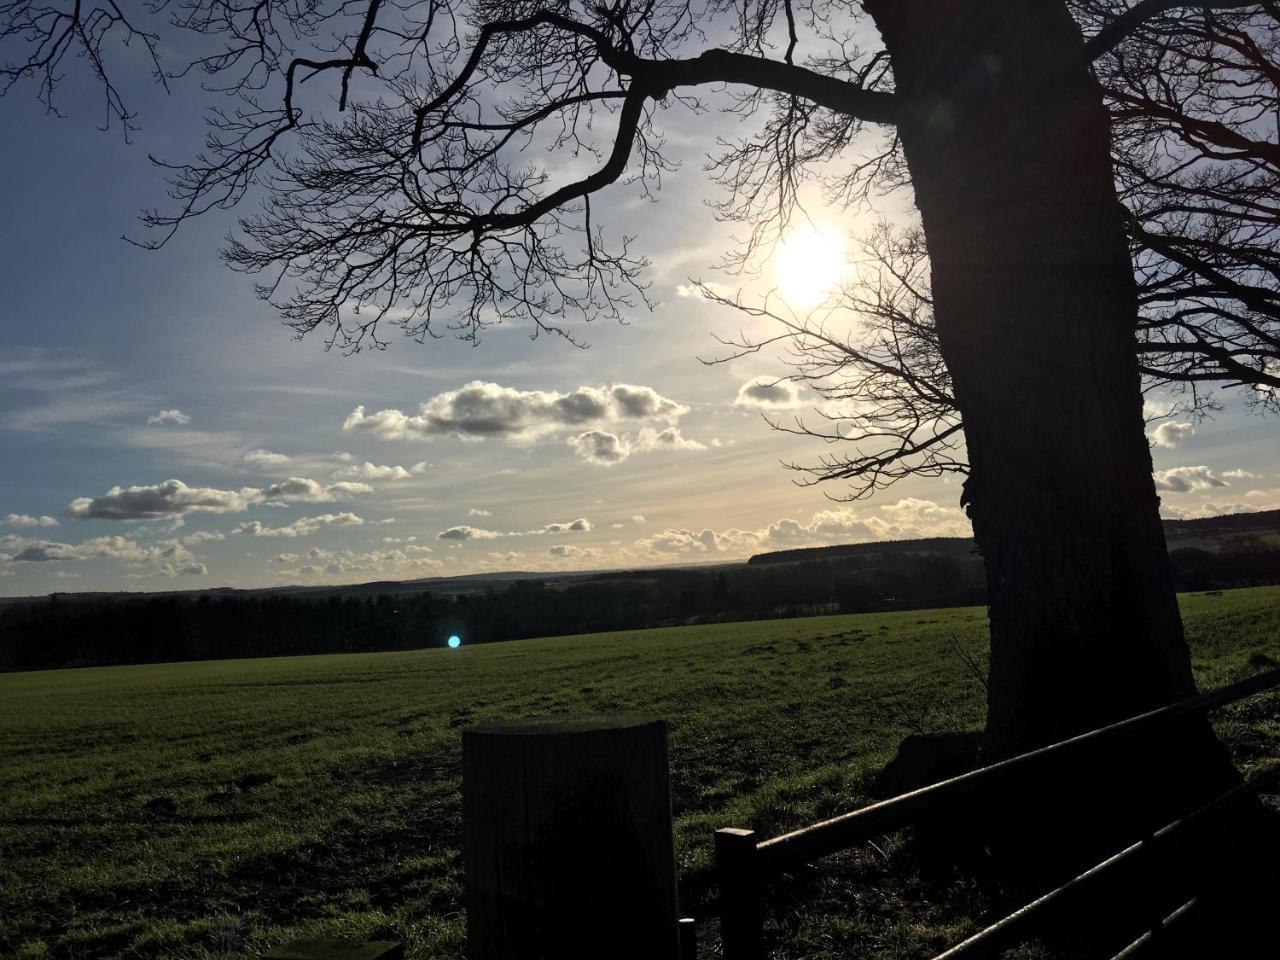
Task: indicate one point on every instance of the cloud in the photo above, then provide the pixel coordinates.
(373, 471)
(768, 393)
(1239, 475)
(26, 520)
(1187, 479)
(172, 498)
(384, 564)
(1171, 434)
(600, 447)
(465, 532)
(668, 439)
(482, 409)
(264, 458)
(171, 552)
(203, 536)
(170, 416)
(679, 542)
(478, 512)
(580, 525)
(302, 527)
(194, 569)
(909, 518)
(303, 490)
(700, 290)
(638, 518)
(567, 551)
(468, 532)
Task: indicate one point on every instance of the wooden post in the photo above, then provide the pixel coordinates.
(738, 874)
(688, 928)
(567, 840)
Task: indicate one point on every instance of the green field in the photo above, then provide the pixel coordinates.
(213, 809)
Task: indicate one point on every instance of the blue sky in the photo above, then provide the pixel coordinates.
(122, 370)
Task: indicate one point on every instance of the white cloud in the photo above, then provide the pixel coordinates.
(384, 564)
(303, 490)
(1187, 479)
(668, 439)
(600, 447)
(679, 542)
(478, 512)
(482, 409)
(27, 520)
(302, 527)
(566, 551)
(193, 569)
(171, 552)
(169, 499)
(374, 471)
(170, 416)
(466, 532)
(768, 393)
(1171, 433)
(203, 536)
(581, 525)
(638, 518)
(909, 518)
(174, 499)
(1239, 475)
(264, 458)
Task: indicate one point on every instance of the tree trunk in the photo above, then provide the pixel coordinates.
(1007, 140)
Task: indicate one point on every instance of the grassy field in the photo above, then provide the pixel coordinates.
(213, 809)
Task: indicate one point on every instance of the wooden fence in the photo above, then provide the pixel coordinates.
(745, 863)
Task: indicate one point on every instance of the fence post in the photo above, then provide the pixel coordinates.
(567, 840)
(738, 873)
(688, 938)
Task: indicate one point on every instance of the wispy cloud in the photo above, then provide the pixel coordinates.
(169, 416)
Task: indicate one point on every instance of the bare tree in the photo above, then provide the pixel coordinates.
(404, 200)
(1195, 105)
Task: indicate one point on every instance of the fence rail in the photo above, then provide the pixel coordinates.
(744, 863)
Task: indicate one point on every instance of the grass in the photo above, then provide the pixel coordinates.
(214, 809)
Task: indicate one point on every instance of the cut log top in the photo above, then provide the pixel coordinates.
(568, 724)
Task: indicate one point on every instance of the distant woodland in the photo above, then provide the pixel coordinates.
(89, 630)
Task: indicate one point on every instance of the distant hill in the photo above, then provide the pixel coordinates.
(105, 628)
(958, 547)
(1208, 533)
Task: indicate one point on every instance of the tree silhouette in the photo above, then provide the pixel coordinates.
(1189, 94)
(398, 196)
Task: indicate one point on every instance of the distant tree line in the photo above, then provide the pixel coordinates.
(87, 630)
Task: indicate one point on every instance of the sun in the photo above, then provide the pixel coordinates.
(810, 263)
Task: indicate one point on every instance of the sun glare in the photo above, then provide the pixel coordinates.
(810, 265)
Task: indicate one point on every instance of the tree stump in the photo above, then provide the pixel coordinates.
(567, 840)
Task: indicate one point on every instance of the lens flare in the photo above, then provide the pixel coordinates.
(455, 642)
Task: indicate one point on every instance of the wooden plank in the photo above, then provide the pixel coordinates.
(842, 832)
